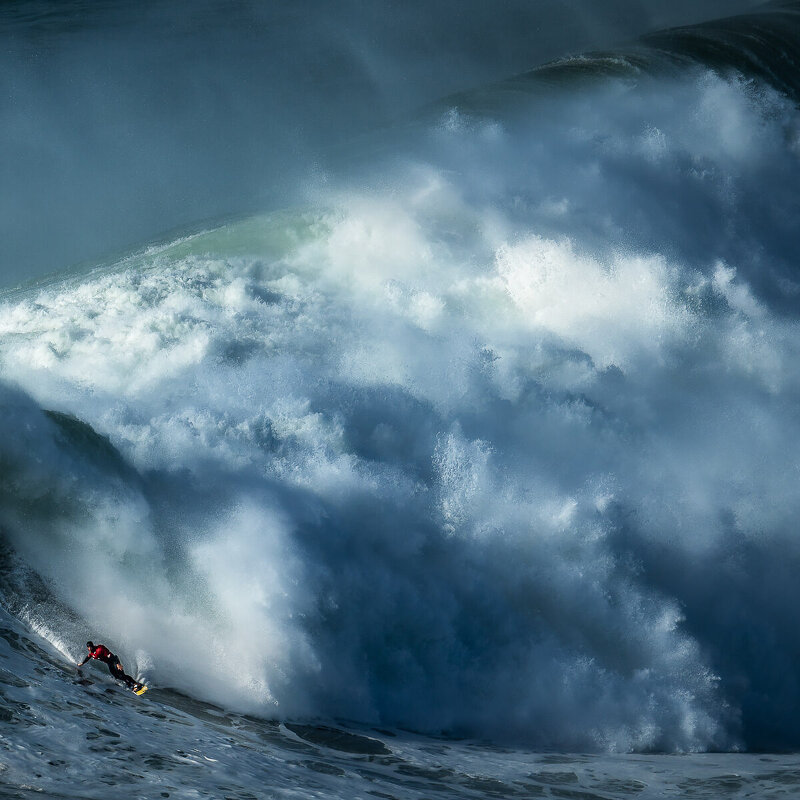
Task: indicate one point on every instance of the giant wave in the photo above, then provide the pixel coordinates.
(494, 439)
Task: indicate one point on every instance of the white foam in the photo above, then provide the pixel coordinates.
(410, 456)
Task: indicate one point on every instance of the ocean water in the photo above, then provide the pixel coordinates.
(68, 736)
(471, 471)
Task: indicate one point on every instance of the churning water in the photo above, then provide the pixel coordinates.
(492, 437)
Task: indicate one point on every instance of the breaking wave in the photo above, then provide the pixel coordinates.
(495, 439)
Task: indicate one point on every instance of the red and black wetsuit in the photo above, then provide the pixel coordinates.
(102, 653)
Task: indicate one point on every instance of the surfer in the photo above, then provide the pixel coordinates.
(102, 653)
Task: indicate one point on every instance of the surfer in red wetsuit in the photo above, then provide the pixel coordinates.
(102, 653)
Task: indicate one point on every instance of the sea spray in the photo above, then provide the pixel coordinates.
(490, 441)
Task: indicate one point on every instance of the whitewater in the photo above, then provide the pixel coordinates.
(480, 454)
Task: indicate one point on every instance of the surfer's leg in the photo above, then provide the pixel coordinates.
(115, 668)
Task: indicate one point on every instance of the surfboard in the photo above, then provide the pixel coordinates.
(141, 691)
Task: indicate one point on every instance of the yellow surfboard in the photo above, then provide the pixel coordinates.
(140, 691)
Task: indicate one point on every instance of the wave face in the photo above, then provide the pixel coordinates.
(494, 439)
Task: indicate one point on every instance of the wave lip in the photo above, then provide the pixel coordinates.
(763, 45)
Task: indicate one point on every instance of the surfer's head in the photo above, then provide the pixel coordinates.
(90, 645)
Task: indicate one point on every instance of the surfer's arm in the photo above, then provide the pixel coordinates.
(81, 663)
